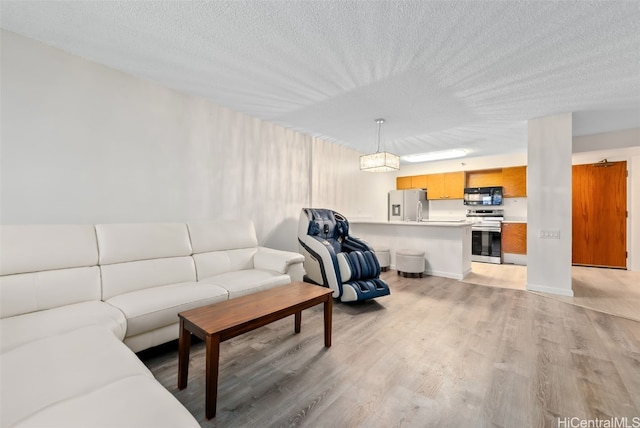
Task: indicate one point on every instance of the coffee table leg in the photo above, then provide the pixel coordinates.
(328, 305)
(184, 346)
(298, 321)
(213, 357)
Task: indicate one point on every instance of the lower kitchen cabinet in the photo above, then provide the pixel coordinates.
(514, 238)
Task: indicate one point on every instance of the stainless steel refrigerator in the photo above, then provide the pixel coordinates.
(404, 205)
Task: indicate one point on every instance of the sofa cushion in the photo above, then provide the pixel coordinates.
(135, 402)
(21, 329)
(34, 248)
(222, 235)
(121, 278)
(127, 242)
(240, 283)
(35, 291)
(44, 372)
(152, 338)
(44, 266)
(157, 307)
(218, 262)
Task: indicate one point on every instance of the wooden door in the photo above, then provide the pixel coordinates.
(600, 215)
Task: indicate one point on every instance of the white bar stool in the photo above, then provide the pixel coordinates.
(384, 257)
(410, 262)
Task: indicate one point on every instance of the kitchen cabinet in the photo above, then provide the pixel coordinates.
(484, 178)
(514, 181)
(411, 182)
(514, 238)
(403, 183)
(448, 185)
(419, 181)
(454, 185)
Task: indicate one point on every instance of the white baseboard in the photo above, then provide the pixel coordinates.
(516, 259)
(443, 274)
(551, 290)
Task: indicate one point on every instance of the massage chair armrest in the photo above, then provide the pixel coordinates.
(278, 261)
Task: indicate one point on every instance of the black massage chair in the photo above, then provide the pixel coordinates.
(332, 258)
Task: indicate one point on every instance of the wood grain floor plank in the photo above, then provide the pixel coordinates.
(436, 352)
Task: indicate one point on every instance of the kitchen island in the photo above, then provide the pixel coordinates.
(446, 243)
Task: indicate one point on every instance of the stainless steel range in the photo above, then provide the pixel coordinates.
(486, 233)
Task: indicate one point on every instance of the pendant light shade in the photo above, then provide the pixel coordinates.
(379, 161)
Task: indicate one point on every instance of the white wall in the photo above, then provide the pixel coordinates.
(83, 143)
(604, 121)
(634, 215)
(549, 204)
(342, 186)
(627, 138)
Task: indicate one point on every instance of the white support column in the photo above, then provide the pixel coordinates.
(549, 205)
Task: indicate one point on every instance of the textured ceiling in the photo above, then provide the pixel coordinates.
(445, 74)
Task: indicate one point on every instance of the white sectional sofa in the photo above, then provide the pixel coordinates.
(71, 294)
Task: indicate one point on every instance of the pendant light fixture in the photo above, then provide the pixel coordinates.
(379, 161)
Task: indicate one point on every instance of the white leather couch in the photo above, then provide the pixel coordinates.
(70, 294)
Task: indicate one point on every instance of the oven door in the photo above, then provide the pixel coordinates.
(485, 244)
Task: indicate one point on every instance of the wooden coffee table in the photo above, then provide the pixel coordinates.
(221, 321)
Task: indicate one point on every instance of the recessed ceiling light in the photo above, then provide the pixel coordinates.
(431, 156)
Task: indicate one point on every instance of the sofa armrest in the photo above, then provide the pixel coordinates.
(276, 260)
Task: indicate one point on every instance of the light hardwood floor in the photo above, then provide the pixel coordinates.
(613, 291)
(436, 352)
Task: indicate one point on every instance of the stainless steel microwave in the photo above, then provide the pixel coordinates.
(485, 196)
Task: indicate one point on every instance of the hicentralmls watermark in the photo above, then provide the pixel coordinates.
(575, 422)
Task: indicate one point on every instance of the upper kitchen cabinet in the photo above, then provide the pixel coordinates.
(454, 185)
(514, 182)
(411, 182)
(512, 179)
(448, 185)
(419, 181)
(403, 183)
(484, 178)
